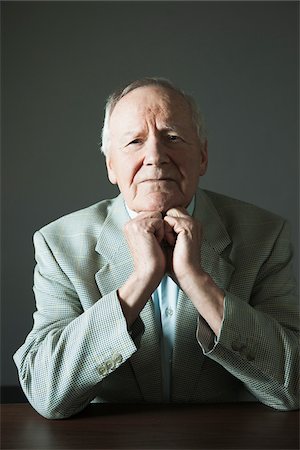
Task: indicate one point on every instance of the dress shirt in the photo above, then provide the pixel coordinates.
(165, 305)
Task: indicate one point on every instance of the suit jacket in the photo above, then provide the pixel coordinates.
(80, 350)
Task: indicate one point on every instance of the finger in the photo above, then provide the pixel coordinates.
(177, 212)
(159, 230)
(149, 215)
(175, 223)
(153, 226)
(180, 225)
(145, 224)
(169, 234)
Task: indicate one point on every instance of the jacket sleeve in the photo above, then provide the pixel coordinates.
(258, 342)
(69, 351)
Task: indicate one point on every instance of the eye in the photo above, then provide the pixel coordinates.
(135, 141)
(173, 138)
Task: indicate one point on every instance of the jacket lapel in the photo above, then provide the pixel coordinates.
(116, 267)
(115, 259)
(188, 356)
(146, 362)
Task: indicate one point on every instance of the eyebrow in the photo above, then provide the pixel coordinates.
(132, 131)
(168, 127)
(172, 127)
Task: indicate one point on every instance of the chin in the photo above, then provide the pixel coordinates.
(159, 203)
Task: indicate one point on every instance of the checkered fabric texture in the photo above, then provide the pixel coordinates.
(80, 350)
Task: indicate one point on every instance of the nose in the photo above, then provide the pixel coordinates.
(155, 153)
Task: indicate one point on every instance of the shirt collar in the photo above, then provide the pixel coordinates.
(190, 209)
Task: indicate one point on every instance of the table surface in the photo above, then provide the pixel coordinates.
(150, 426)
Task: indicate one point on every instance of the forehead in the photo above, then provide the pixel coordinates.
(152, 103)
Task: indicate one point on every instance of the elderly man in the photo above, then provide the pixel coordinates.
(167, 293)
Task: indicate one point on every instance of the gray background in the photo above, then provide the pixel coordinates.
(62, 59)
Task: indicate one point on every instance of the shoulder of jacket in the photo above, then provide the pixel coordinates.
(86, 220)
(230, 206)
(240, 217)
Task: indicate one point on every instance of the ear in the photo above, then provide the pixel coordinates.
(110, 170)
(204, 159)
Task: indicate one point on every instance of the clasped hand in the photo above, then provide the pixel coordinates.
(169, 244)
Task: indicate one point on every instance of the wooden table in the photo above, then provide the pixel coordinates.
(107, 426)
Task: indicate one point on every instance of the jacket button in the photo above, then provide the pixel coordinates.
(103, 370)
(236, 346)
(110, 364)
(117, 357)
(243, 349)
(250, 357)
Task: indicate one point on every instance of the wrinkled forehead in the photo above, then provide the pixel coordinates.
(154, 104)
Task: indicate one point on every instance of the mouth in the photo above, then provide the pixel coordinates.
(156, 180)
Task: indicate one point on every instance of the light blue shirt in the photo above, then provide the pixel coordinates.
(165, 307)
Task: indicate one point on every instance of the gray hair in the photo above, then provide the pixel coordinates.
(116, 96)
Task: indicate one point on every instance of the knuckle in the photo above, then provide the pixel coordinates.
(131, 227)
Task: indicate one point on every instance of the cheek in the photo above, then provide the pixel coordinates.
(190, 171)
(133, 166)
(195, 165)
(187, 165)
(127, 171)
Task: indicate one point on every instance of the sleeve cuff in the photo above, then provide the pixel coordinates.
(136, 331)
(205, 336)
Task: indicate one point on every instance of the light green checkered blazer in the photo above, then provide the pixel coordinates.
(80, 350)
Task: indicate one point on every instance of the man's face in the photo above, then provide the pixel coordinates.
(154, 154)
